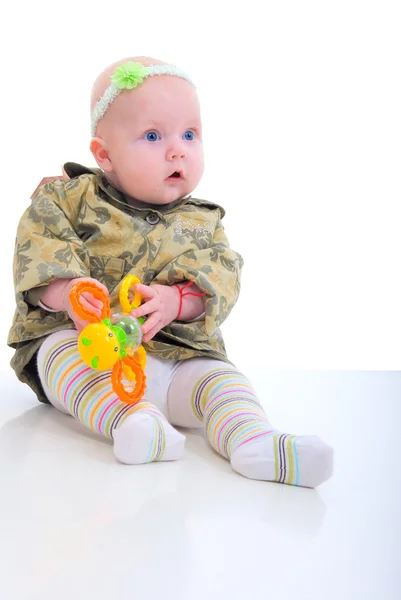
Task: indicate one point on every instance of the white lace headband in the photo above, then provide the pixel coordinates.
(127, 77)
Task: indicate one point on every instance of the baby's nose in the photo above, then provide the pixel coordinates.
(176, 152)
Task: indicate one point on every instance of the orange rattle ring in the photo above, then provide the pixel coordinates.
(134, 396)
(82, 312)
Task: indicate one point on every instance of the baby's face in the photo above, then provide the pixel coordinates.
(153, 136)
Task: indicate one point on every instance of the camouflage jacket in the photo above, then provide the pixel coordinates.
(84, 227)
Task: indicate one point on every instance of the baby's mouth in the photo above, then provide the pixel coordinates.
(175, 175)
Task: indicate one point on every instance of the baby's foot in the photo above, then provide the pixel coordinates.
(275, 456)
(144, 438)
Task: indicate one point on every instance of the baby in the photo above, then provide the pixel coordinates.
(135, 215)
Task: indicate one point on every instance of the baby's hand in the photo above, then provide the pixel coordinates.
(88, 301)
(161, 302)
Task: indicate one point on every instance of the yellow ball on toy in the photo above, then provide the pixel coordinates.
(99, 346)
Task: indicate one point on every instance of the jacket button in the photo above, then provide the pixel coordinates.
(152, 218)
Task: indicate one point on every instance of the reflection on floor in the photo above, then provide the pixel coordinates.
(76, 524)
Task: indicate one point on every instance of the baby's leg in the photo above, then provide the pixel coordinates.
(215, 394)
(141, 434)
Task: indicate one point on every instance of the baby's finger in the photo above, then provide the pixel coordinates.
(146, 291)
(151, 322)
(92, 300)
(151, 334)
(89, 306)
(144, 309)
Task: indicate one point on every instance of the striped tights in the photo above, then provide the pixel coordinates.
(198, 392)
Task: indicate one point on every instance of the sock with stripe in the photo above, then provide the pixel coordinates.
(237, 428)
(140, 433)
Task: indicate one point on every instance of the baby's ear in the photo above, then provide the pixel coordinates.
(99, 150)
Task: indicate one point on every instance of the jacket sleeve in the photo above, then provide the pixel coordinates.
(47, 246)
(216, 270)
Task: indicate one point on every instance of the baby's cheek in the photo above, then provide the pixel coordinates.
(198, 166)
(139, 177)
(149, 168)
(200, 159)
(143, 180)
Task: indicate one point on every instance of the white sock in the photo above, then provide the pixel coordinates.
(298, 460)
(146, 436)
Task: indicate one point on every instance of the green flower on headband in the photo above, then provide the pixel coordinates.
(129, 75)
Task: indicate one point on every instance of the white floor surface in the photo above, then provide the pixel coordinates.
(76, 525)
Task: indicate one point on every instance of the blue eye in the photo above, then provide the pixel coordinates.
(152, 136)
(189, 135)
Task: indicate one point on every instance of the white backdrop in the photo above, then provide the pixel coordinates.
(302, 122)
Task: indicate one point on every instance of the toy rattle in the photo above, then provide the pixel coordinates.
(113, 341)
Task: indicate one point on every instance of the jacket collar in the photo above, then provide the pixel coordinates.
(76, 170)
(125, 202)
